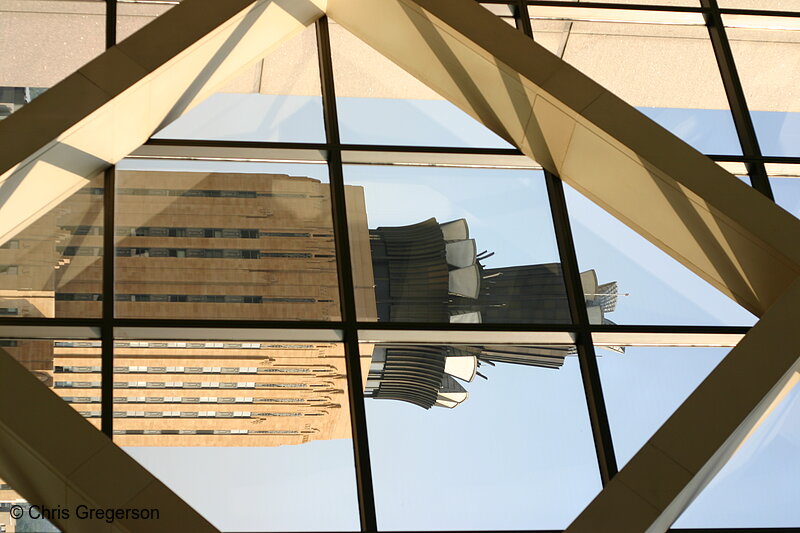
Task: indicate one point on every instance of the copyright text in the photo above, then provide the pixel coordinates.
(82, 512)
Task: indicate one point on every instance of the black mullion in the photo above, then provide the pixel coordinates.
(484, 327)
(418, 149)
(736, 99)
(587, 358)
(703, 330)
(522, 19)
(330, 113)
(604, 5)
(327, 146)
(111, 23)
(107, 316)
(430, 149)
(758, 12)
(205, 324)
(358, 417)
(107, 324)
(590, 374)
(415, 149)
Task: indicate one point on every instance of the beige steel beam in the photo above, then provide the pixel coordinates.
(113, 104)
(53, 457)
(679, 460)
(642, 174)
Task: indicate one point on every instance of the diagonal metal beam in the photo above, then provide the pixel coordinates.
(53, 457)
(679, 460)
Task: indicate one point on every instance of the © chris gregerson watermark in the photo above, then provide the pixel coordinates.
(82, 512)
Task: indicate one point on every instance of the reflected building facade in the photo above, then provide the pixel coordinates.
(211, 393)
(260, 246)
(433, 272)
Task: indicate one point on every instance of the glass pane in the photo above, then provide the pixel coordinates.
(43, 42)
(643, 386)
(230, 245)
(758, 486)
(53, 267)
(667, 71)
(18, 515)
(505, 12)
(653, 288)
(602, 14)
(70, 368)
(456, 245)
(787, 194)
(254, 435)
(777, 5)
(783, 170)
(35, 355)
(372, 92)
(690, 3)
(278, 99)
(77, 376)
(452, 455)
(773, 99)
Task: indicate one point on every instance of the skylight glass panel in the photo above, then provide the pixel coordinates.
(666, 70)
(380, 103)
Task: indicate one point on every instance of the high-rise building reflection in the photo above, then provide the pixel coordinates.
(260, 246)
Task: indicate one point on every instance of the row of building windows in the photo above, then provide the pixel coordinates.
(190, 345)
(187, 385)
(208, 432)
(179, 298)
(68, 369)
(10, 270)
(190, 414)
(191, 253)
(196, 399)
(9, 311)
(205, 233)
(196, 193)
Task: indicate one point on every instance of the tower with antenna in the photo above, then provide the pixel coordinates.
(433, 272)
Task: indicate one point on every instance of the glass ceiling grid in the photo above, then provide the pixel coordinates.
(350, 326)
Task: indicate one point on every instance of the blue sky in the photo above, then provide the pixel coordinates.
(261, 117)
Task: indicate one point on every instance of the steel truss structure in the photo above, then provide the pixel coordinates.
(349, 329)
